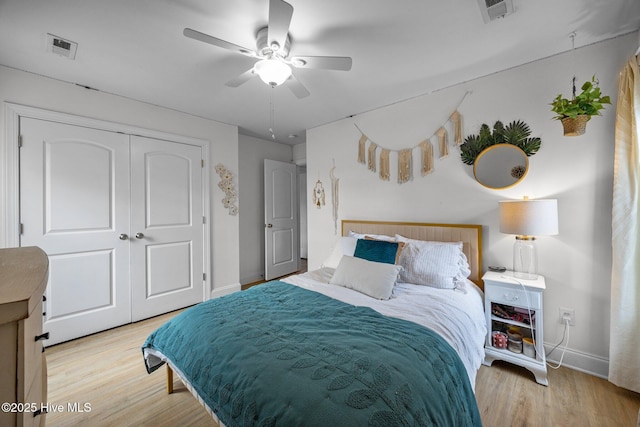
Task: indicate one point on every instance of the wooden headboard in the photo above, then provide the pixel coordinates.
(470, 235)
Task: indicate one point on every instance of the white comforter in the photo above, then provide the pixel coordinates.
(456, 316)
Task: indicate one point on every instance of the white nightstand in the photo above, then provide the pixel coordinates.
(509, 294)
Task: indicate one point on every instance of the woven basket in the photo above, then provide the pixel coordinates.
(575, 126)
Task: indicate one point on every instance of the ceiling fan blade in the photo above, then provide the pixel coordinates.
(297, 88)
(342, 63)
(240, 79)
(280, 13)
(197, 35)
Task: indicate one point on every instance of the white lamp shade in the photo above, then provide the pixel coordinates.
(529, 217)
(272, 71)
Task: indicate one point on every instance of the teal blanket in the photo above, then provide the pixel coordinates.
(278, 354)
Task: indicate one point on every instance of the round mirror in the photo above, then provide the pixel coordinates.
(501, 166)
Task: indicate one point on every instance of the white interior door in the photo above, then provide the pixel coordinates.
(166, 226)
(74, 204)
(280, 218)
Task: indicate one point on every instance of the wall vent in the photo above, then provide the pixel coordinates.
(62, 47)
(494, 9)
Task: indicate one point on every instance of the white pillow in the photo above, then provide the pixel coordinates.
(437, 264)
(373, 236)
(375, 279)
(344, 246)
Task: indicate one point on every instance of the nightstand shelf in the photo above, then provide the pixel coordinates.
(510, 294)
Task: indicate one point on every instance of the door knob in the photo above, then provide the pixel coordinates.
(123, 237)
(139, 235)
(269, 225)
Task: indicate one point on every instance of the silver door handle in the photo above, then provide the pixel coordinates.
(269, 225)
(123, 237)
(139, 235)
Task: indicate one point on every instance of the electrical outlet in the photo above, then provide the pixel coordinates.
(567, 313)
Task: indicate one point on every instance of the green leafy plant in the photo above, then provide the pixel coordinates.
(589, 102)
(516, 133)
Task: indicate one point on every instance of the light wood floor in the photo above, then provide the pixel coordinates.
(107, 371)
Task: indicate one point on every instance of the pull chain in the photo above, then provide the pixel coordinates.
(271, 114)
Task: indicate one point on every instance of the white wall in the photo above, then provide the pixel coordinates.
(252, 152)
(36, 91)
(578, 171)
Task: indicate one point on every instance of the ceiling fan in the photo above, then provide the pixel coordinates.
(273, 45)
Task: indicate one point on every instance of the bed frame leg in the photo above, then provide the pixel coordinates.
(169, 380)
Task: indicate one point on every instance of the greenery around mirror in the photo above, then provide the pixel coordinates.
(516, 133)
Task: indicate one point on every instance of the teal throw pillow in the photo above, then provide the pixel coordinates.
(377, 251)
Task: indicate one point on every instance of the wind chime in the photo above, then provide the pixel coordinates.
(318, 194)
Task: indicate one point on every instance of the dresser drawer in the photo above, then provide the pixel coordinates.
(30, 361)
(36, 395)
(514, 297)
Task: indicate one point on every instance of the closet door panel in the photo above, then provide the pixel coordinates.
(166, 226)
(74, 204)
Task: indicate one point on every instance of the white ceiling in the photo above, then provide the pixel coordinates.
(136, 49)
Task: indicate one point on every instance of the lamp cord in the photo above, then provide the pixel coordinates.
(526, 294)
(565, 333)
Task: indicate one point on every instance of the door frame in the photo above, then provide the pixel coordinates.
(10, 180)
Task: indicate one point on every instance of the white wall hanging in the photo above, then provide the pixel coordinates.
(226, 184)
(334, 196)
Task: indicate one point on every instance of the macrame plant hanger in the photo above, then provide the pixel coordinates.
(576, 125)
(573, 64)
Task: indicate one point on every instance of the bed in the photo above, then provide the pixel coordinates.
(360, 341)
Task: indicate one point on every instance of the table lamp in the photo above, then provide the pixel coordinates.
(527, 219)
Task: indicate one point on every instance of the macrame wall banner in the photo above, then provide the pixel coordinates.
(384, 165)
(371, 158)
(405, 165)
(456, 120)
(442, 142)
(427, 157)
(361, 145)
(367, 155)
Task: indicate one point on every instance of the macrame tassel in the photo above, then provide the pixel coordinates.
(456, 120)
(405, 165)
(384, 165)
(442, 142)
(427, 157)
(361, 144)
(372, 156)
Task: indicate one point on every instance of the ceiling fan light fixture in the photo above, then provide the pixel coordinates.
(272, 71)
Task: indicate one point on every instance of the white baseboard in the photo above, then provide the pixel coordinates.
(579, 361)
(225, 290)
(252, 278)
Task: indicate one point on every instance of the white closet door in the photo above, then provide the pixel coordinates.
(280, 218)
(74, 204)
(166, 226)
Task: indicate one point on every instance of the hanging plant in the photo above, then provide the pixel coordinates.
(516, 133)
(575, 113)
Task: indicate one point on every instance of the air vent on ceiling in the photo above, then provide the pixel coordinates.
(62, 47)
(494, 9)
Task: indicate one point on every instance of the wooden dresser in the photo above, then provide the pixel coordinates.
(23, 376)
